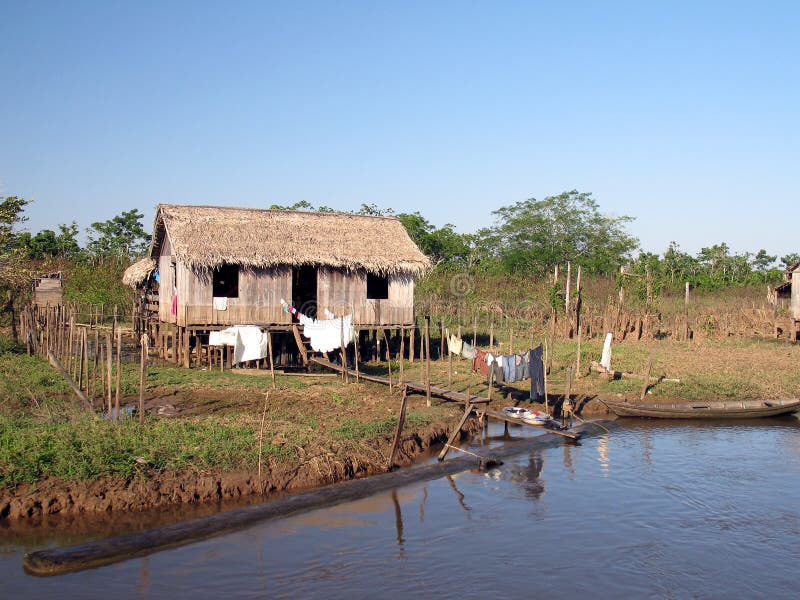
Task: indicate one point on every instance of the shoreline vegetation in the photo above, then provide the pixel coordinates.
(212, 437)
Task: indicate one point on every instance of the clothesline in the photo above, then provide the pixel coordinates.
(505, 368)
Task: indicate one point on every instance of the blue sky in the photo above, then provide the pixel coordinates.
(684, 115)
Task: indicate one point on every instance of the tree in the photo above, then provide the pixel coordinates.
(443, 245)
(48, 243)
(13, 273)
(122, 236)
(790, 260)
(535, 235)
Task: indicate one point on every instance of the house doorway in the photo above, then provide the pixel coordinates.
(304, 290)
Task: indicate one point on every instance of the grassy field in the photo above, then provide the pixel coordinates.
(217, 421)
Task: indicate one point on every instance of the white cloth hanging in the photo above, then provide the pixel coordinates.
(248, 341)
(326, 335)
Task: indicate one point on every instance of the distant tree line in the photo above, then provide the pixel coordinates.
(529, 237)
(533, 236)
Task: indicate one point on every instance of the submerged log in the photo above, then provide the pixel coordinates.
(56, 561)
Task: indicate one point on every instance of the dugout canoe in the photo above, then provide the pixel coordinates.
(712, 409)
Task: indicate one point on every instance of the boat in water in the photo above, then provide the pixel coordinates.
(713, 409)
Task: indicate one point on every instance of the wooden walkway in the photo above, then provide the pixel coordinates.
(411, 386)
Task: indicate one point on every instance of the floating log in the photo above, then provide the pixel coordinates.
(57, 561)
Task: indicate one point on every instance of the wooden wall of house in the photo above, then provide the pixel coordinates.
(796, 293)
(343, 292)
(166, 282)
(48, 291)
(258, 302)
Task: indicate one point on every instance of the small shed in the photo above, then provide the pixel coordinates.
(791, 288)
(48, 289)
(220, 266)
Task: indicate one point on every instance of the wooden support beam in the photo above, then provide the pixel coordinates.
(456, 432)
(399, 430)
(78, 392)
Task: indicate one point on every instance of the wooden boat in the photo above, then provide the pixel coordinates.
(713, 409)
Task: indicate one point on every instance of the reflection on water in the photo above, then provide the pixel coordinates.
(602, 451)
(688, 510)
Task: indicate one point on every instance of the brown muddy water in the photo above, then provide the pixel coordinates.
(653, 509)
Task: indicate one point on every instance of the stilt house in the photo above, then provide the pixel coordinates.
(791, 288)
(220, 266)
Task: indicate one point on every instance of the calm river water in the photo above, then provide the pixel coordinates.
(653, 509)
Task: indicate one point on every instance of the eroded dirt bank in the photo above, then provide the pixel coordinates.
(317, 466)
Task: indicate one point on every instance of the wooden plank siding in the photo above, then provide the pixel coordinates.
(48, 292)
(166, 282)
(259, 301)
(261, 291)
(343, 292)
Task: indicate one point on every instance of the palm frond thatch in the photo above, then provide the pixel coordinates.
(138, 272)
(204, 237)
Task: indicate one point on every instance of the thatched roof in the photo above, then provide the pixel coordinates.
(138, 272)
(204, 237)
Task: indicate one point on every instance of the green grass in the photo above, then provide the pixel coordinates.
(86, 448)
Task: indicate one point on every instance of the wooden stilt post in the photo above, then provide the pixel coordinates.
(686, 313)
(343, 351)
(553, 317)
(646, 383)
(119, 370)
(411, 343)
(388, 358)
(402, 350)
(356, 353)
(441, 339)
(449, 367)
(81, 370)
(142, 370)
(271, 359)
(568, 301)
(578, 303)
(491, 336)
(401, 418)
(544, 369)
(474, 330)
(428, 359)
(109, 370)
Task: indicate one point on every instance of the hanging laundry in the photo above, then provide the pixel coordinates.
(454, 344)
(248, 341)
(479, 363)
(497, 371)
(508, 368)
(521, 371)
(220, 303)
(326, 335)
(536, 367)
(174, 308)
(467, 351)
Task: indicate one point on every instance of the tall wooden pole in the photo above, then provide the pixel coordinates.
(402, 350)
(271, 358)
(142, 368)
(109, 378)
(578, 303)
(428, 359)
(119, 353)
